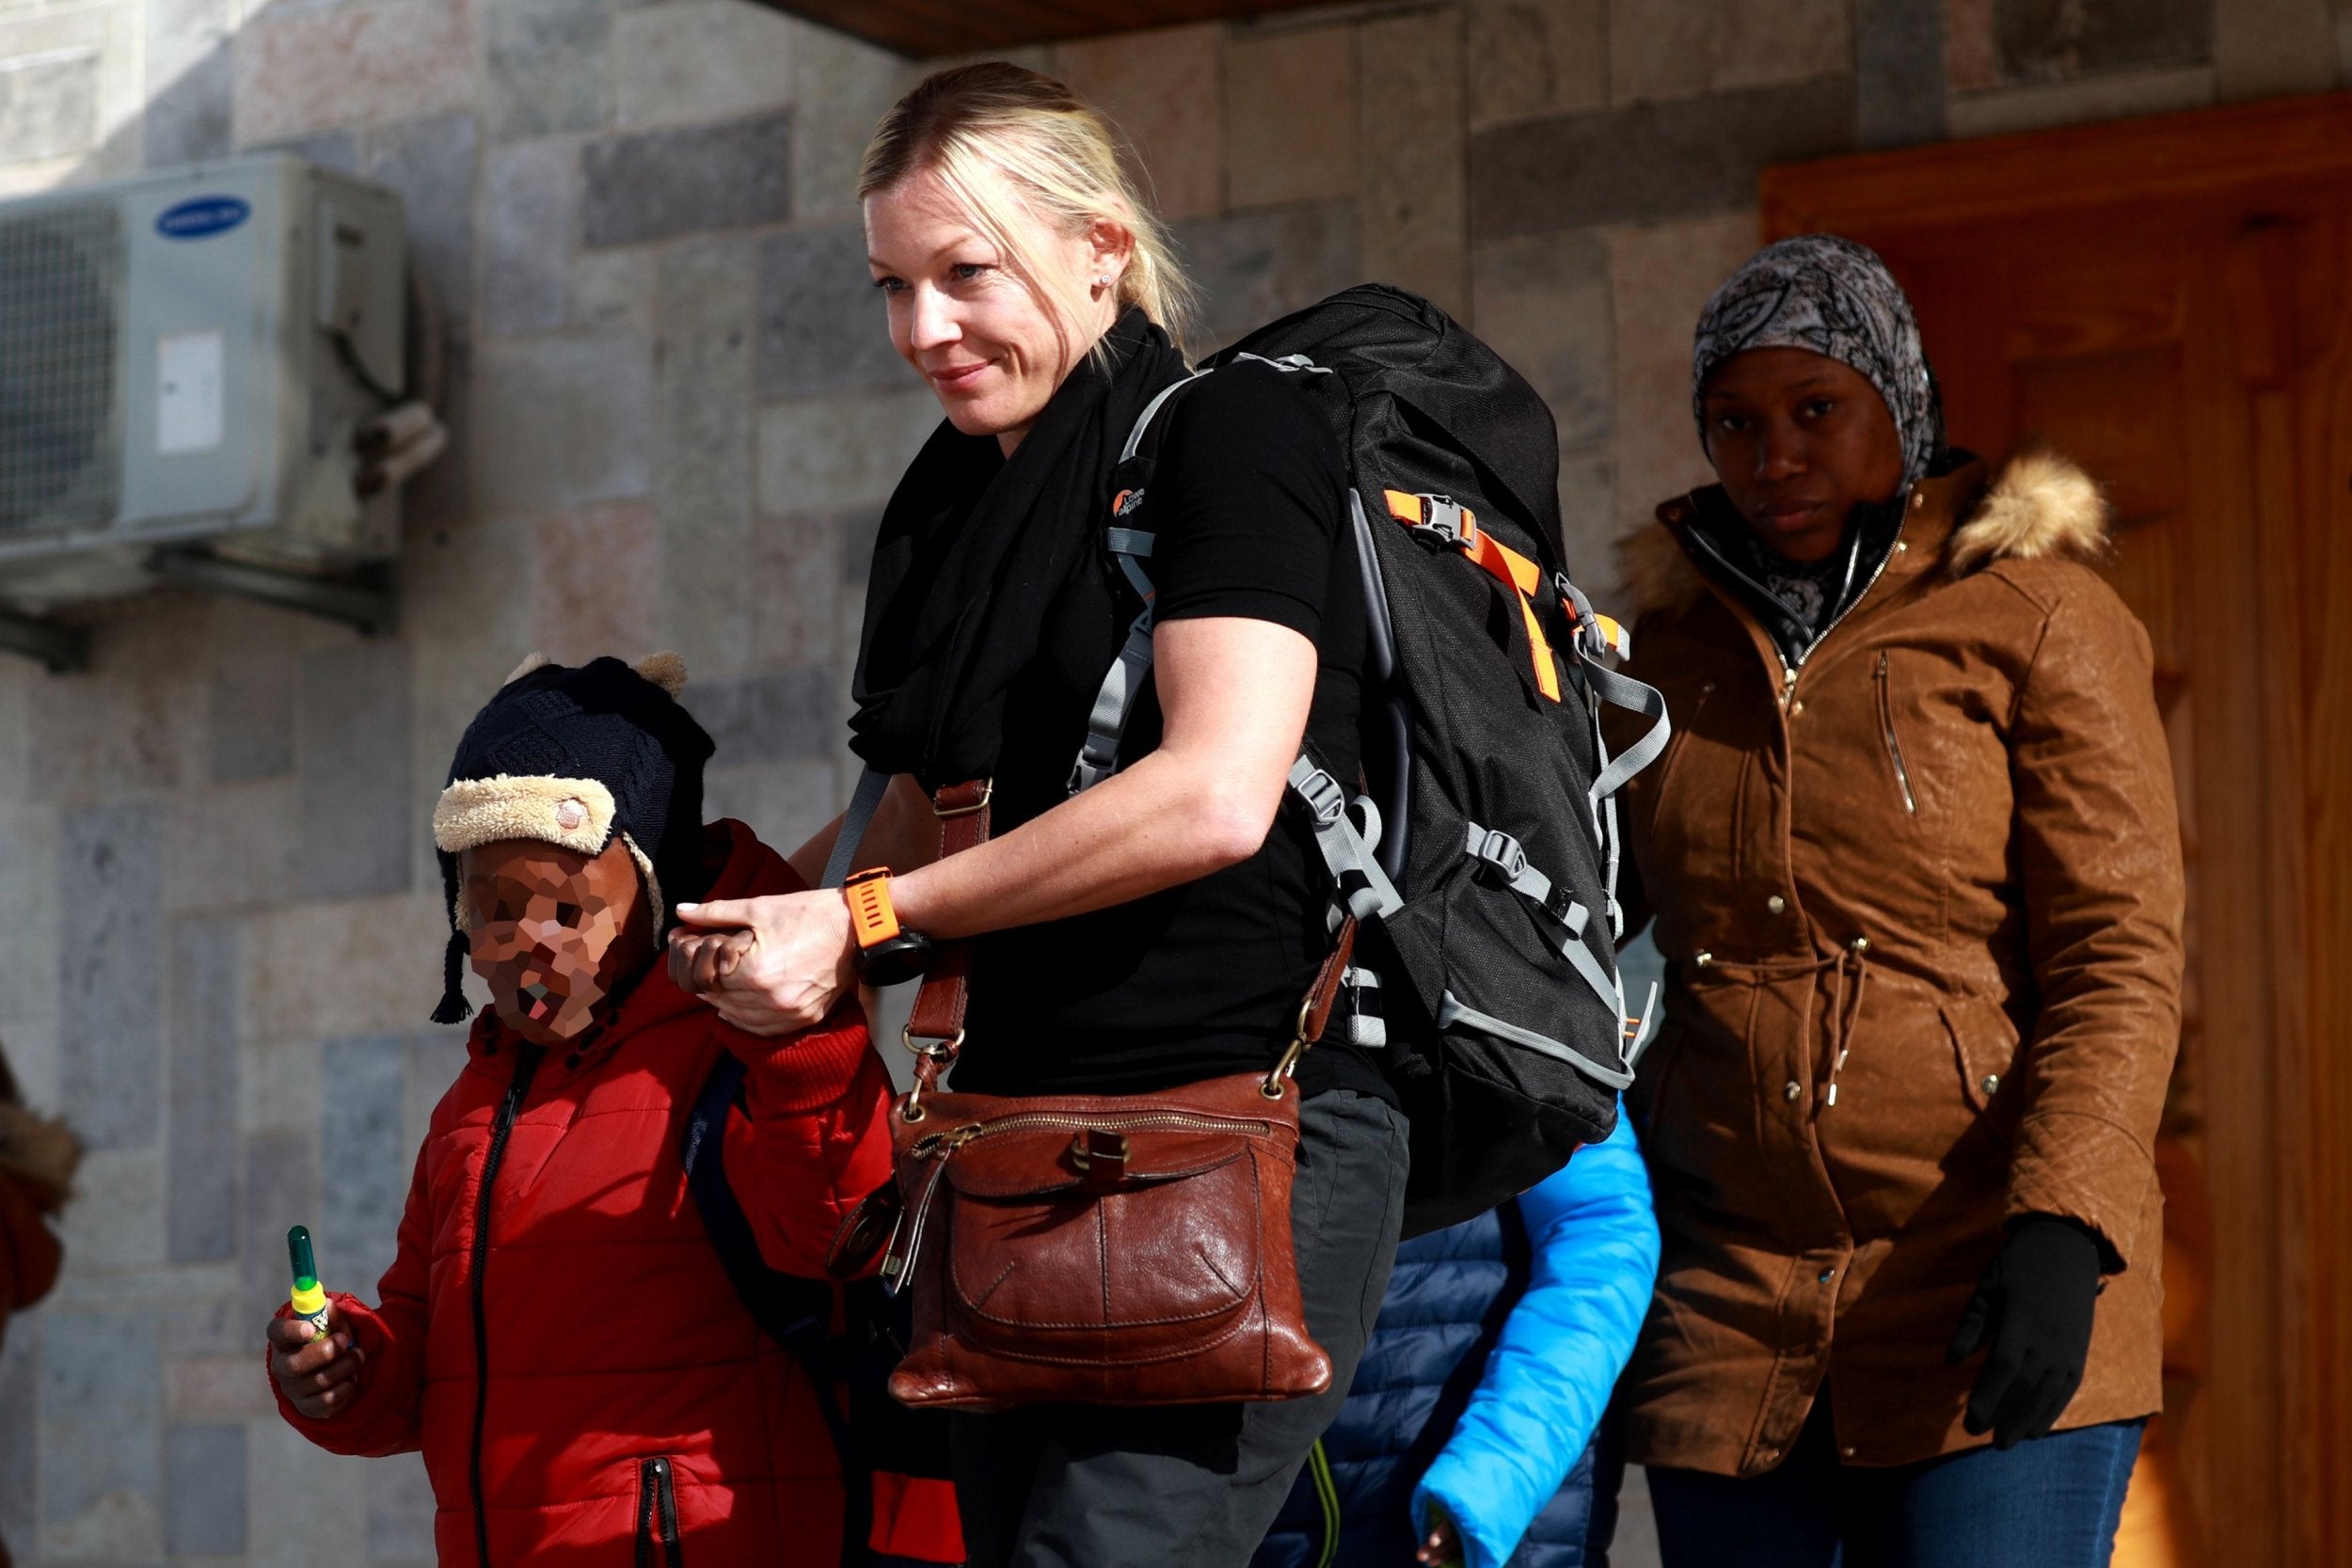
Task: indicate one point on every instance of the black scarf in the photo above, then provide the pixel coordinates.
(973, 549)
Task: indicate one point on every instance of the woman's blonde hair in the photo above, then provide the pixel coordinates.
(1052, 151)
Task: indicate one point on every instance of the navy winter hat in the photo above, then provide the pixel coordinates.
(572, 757)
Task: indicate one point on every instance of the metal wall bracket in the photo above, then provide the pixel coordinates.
(366, 598)
(60, 645)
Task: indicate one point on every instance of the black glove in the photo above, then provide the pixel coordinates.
(2034, 1304)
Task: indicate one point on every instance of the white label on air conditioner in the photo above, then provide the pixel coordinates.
(188, 391)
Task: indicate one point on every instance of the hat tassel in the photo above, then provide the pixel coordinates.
(454, 1008)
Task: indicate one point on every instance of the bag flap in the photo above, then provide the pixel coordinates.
(1037, 1162)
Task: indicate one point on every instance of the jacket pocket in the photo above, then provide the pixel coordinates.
(1893, 741)
(657, 1514)
(1985, 1044)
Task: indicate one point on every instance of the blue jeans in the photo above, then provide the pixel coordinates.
(2050, 1502)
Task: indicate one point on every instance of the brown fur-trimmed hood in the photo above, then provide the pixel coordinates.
(2040, 507)
(43, 1149)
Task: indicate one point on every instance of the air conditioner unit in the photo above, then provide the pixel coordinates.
(184, 360)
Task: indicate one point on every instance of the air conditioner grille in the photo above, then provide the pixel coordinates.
(60, 425)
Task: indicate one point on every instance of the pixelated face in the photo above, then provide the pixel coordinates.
(554, 932)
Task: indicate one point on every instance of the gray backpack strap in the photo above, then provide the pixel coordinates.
(1098, 757)
(872, 785)
(1619, 691)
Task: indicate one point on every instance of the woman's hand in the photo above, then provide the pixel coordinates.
(1442, 1548)
(770, 966)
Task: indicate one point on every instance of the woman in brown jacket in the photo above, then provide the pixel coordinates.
(1914, 864)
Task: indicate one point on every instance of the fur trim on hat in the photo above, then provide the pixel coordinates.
(533, 660)
(2043, 507)
(665, 670)
(571, 813)
(40, 1149)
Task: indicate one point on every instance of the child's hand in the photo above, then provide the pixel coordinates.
(1443, 1547)
(797, 965)
(319, 1377)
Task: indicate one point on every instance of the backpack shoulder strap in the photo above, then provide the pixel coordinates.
(796, 1313)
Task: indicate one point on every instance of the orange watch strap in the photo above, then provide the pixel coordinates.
(872, 915)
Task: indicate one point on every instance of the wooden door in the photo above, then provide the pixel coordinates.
(2170, 302)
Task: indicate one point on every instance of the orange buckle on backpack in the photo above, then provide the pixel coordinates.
(1458, 525)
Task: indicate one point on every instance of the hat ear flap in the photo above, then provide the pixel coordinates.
(533, 660)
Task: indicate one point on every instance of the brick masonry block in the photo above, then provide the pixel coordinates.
(1898, 71)
(191, 76)
(1254, 267)
(201, 1135)
(783, 801)
(776, 716)
(659, 184)
(1290, 117)
(1588, 524)
(30, 864)
(2052, 40)
(1651, 162)
(1659, 279)
(116, 1221)
(1412, 210)
(840, 453)
(353, 966)
(280, 1464)
(49, 104)
(251, 712)
(110, 971)
(798, 566)
(135, 720)
(701, 60)
(842, 88)
(1164, 90)
(100, 1435)
(526, 225)
(1674, 48)
(20, 1427)
(430, 162)
(357, 813)
(563, 421)
(281, 1190)
(202, 1389)
(705, 304)
(597, 589)
(199, 1328)
(544, 65)
(822, 324)
(364, 1187)
(305, 68)
(1532, 57)
(229, 846)
(283, 1086)
(1542, 303)
(400, 1511)
(204, 1488)
(612, 291)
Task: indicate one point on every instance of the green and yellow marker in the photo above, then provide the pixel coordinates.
(310, 1301)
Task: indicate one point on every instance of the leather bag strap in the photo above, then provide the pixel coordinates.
(963, 817)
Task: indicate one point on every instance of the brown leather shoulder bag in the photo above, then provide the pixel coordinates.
(1110, 1250)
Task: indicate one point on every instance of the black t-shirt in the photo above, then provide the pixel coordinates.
(1247, 506)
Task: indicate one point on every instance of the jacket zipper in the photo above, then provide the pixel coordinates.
(526, 1063)
(657, 1515)
(939, 1144)
(1788, 670)
(1894, 746)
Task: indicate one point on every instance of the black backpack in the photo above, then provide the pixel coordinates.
(1480, 855)
(850, 1367)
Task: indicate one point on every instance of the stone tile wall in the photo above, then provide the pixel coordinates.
(676, 419)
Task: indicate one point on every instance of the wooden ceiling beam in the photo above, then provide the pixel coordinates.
(927, 28)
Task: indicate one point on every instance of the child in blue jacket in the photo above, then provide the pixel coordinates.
(1474, 1413)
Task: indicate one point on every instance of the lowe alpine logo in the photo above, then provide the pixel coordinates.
(200, 217)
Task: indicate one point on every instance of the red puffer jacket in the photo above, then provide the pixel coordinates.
(559, 1335)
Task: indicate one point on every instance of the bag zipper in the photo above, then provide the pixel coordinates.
(938, 1145)
(657, 1515)
(1894, 746)
(526, 1063)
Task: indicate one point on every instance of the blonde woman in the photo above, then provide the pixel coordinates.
(1156, 930)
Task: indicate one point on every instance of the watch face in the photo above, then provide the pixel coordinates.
(900, 957)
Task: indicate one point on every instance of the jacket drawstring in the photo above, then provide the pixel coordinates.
(1850, 965)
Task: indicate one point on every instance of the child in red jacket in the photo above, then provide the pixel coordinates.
(557, 1332)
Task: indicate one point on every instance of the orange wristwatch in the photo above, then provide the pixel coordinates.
(886, 952)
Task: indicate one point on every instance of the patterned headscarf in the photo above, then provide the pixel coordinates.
(1836, 298)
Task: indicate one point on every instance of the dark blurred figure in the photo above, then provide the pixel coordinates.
(37, 1160)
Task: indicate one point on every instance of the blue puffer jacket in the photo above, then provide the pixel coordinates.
(1498, 1344)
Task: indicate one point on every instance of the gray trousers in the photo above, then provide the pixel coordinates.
(1088, 1486)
